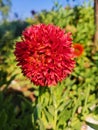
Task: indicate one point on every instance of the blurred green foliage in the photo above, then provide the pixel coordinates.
(64, 107)
(15, 112)
(9, 32)
(79, 20)
(4, 8)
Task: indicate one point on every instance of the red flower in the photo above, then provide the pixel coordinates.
(45, 54)
(78, 49)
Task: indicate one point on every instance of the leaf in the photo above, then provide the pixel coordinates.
(48, 115)
(51, 109)
(11, 79)
(3, 118)
(94, 126)
(40, 122)
(64, 116)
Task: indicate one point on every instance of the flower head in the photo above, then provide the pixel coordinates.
(45, 54)
(78, 49)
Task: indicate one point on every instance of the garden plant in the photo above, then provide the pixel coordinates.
(49, 71)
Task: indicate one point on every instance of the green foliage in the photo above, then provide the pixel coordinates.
(15, 111)
(79, 20)
(5, 8)
(64, 107)
(9, 32)
(69, 103)
(94, 126)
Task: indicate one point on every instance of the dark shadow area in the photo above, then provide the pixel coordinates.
(15, 27)
(15, 111)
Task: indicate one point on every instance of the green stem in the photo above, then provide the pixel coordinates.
(55, 109)
(75, 107)
(86, 99)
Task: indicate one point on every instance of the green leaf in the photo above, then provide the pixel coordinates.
(64, 116)
(51, 109)
(94, 126)
(49, 116)
(40, 122)
(3, 118)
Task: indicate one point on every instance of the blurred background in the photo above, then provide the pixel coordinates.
(17, 94)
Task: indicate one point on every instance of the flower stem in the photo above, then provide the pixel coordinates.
(55, 109)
